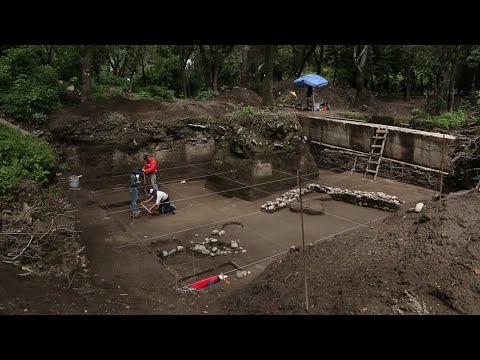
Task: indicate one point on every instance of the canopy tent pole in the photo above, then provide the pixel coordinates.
(313, 96)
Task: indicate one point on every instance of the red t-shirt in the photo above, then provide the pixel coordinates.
(150, 166)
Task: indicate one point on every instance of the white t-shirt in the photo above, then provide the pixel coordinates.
(161, 196)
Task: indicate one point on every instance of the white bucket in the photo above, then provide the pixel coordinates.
(74, 181)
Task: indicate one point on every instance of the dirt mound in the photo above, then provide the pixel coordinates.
(241, 96)
(412, 263)
(39, 233)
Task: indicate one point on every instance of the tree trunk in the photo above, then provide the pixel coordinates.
(181, 59)
(49, 49)
(304, 59)
(335, 66)
(453, 75)
(267, 99)
(360, 62)
(86, 78)
(215, 67)
(319, 59)
(409, 67)
(244, 68)
(472, 91)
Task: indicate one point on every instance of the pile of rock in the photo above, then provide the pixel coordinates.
(287, 198)
(172, 252)
(377, 200)
(216, 247)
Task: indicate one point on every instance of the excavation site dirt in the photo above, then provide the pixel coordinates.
(232, 171)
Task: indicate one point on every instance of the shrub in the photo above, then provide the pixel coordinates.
(205, 95)
(23, 157)
(449, 120)
(28, 90)
(155, 92)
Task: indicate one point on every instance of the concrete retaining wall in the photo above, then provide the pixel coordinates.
(407, 145)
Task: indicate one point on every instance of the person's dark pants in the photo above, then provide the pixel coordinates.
(165, 206)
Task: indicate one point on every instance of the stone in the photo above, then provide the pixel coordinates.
(165, 253)
(214, 249)
(244, 251)
(221, 233)
(233, 244)
(419, 207)
(179, 248)
(206, 252)
(71, 88)
(215, 232)
(172, 252)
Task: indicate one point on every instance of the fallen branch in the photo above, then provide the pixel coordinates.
(290, 275)
(25, 248)
(70, 282)
(26, 212)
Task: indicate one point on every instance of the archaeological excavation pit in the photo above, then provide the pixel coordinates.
(219, 174)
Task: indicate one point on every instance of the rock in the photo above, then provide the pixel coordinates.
(214, 232)
(206, 252)
(83, 261)
(196, 235)
(212, 254)
(71, 88)
(165, 253)
(179, 248)
(214, 249)
(233, 244)
(241, 274)
(172, 252)
(221, 233)
(244, 251)
(419, 207)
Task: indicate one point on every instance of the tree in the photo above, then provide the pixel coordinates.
(408, 72)
(267, 99)
(319, 59)
(184, 53)
(212, 58)
(307, 51)
(455, 51)
(86, 78)
(360, 62)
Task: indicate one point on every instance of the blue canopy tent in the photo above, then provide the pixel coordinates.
(311, 81)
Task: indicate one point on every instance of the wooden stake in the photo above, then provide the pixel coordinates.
(303, 234)
(441, 171)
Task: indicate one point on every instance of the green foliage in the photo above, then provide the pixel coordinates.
(420, 114)
(99, 92)
(205, 95)
(28, 90)
(23, 157)
(244, 113)
(109, 79)
(451, 119)
(155, 92)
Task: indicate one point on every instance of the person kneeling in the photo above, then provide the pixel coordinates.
(162, 202)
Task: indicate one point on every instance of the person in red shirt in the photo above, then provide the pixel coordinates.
(150, 168)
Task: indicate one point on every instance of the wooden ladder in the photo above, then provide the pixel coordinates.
(378, 144)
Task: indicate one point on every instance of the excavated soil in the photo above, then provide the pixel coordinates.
(411, 263)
